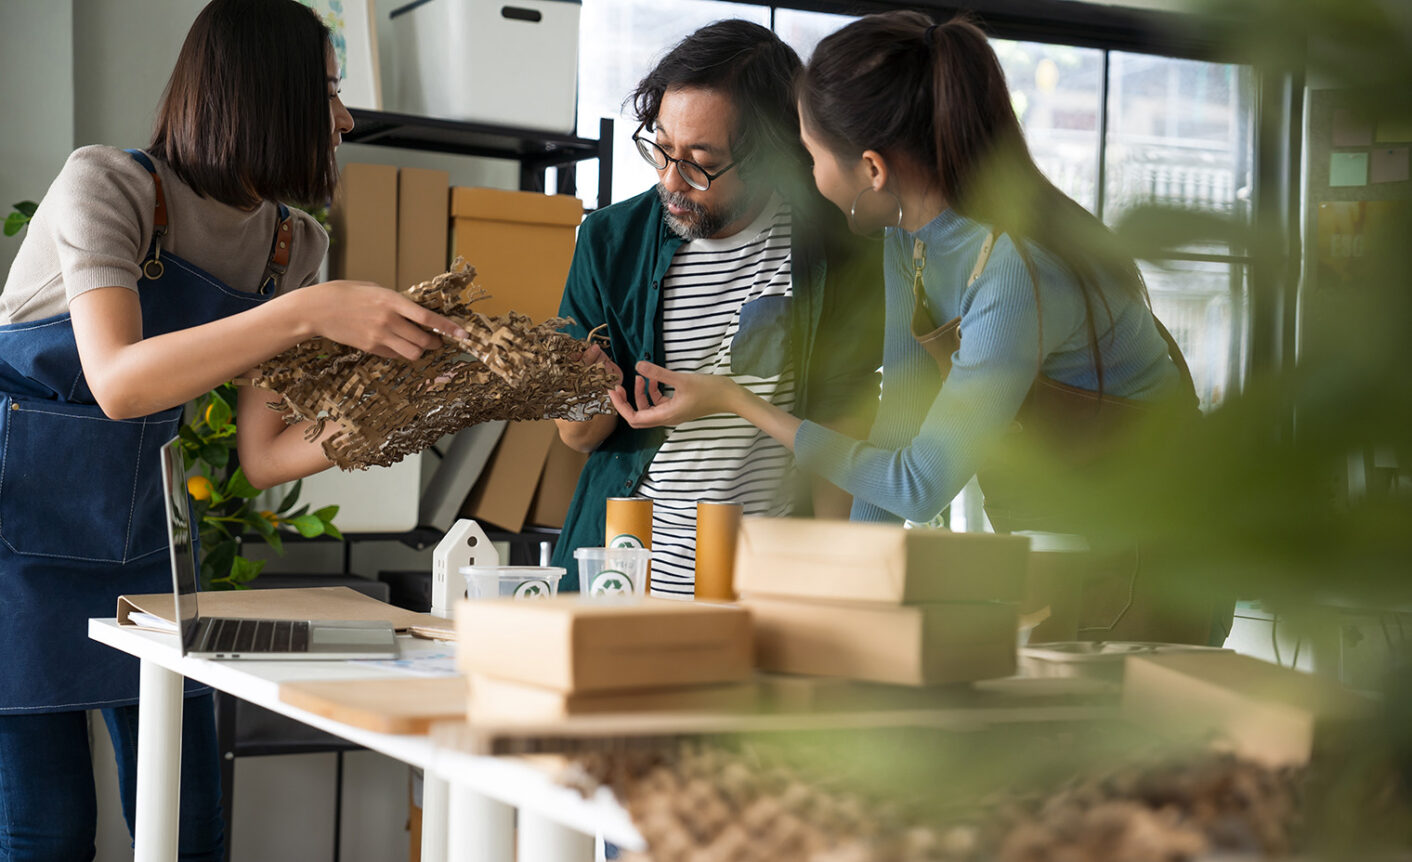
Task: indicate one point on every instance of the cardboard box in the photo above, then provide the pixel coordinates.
(423, 224)
(556, 485)
(364, 218)
(824, 559)
(903, 644)
(571, 645)
(505, 490)
(521, 244)
(498, 700)
(1272, 714)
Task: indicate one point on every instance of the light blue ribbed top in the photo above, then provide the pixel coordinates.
(928, 439)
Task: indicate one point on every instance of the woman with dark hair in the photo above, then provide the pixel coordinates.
(146, 279)
(912, 132)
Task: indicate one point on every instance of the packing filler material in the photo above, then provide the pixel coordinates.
(881, 603)
(569, 645)
(1275, 715)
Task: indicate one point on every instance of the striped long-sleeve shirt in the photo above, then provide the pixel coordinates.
(928, 439)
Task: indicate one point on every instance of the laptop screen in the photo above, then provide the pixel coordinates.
(179, 534)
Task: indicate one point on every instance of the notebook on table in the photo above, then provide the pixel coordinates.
(233, 638)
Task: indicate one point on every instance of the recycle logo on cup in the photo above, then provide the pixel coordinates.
(626, 540)
(610, 582)
(532, 590)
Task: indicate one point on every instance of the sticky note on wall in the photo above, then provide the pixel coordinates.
(1348, 169)
(1388, 165)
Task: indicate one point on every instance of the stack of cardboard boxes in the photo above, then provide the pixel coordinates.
(881, 603)
(400, 226)
(545, 660)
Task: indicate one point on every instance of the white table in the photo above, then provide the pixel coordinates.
(469, 803)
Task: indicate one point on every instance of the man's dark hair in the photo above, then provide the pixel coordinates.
(245, 116)
(749, 65)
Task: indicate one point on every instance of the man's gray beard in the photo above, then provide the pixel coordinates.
(707, 222)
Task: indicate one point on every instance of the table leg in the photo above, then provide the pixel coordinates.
(158, 764)
(545, 840)
(435, 791)
(479, 828)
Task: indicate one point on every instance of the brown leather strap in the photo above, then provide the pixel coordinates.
(284, 238)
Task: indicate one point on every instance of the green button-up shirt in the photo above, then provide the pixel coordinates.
(834, 332)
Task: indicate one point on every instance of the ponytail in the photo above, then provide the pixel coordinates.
(903, 85)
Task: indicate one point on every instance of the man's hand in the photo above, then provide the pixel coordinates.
(692, 396)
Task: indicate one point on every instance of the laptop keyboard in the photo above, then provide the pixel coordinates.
(255, 636)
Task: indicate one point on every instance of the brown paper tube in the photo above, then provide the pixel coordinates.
(717, 525)
(628, 523)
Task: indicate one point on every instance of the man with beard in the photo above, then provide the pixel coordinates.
(732, 265)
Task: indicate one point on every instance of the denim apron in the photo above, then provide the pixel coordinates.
(81, 516)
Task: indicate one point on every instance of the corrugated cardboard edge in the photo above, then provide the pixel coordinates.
(304, 603)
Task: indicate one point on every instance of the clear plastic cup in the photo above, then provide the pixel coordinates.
(613, 572)
(520, 582)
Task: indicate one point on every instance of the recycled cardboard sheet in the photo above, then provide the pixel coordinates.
(305, 603)
(382, 705)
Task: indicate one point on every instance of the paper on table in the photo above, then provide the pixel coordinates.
(432, 664)
(144, 620)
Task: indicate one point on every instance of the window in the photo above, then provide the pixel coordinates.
(619, 42)
(1111, 129)
(1180, 132)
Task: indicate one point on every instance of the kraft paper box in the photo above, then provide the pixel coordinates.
(572, 645)
(423, 224)
(1275, 715)
(364, 220)
(905, 645)
(520, 243)
(825, 559)
(498, 700)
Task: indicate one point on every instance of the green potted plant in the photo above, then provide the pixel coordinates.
(226, 502)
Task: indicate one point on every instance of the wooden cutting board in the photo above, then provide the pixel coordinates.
(404, 706)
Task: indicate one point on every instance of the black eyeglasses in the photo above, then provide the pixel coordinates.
(691, 173)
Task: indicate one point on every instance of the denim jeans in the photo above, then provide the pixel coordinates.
(48, 809)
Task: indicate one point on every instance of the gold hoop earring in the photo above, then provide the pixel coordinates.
(853, 211)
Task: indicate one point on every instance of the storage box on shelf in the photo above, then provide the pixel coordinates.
(454, 60)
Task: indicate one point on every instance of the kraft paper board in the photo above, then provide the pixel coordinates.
(305, 603)
(570, 644)
(847, 560)
(1275, 715)
(904, 645)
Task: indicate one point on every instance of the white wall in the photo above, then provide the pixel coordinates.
(37, 100)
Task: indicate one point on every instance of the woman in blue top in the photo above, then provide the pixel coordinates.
(911, 129)
(145, 279)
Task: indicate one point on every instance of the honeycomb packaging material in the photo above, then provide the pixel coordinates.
(904, 644)
(505, 368)
(497, 700)
(364, 221)
(1275, 715)
(571, 645)
(824, 559)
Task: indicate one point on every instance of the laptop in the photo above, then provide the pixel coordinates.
(229, 638)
